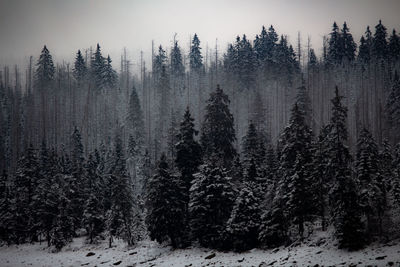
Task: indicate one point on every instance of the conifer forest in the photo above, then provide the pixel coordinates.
(255, 144)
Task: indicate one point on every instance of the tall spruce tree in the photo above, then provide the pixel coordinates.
(120, 217)
(218, 132)
(372, 188)
(195, 57)
(167, 206)
(45, 69)
(80, 69)
(379, 47)
(212, 197)
(344, 201)
(394, 46)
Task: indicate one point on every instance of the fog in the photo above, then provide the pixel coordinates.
(66, 26)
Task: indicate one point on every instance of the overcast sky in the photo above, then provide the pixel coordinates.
(68, 25)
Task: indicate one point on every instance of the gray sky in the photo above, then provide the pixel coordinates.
(68, 25)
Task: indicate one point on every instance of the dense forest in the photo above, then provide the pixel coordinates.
(255, 146)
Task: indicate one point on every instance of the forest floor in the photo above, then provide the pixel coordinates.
(318, 252)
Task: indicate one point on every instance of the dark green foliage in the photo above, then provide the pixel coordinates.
(244, 223)
(177, 68)
(195, 57)
(45, 69)
(379, 47)
(188, 150)
(212, 197)
(80, 69)
(167, 205)
(218, 133)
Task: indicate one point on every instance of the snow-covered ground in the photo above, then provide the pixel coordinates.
(148, 253)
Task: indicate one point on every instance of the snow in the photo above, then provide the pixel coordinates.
(148, 253)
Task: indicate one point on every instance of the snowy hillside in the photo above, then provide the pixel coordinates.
(149, 253)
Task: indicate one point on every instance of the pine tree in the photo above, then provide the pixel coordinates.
(25, 182)
(320, 183)
(335, 53)
(188, 150)
(196, 59)
(159, 62)
(393, 103)
(212, 197)
(394, 46)
(177, 68)
(98, 65)
(396, 177)
(76, 180)
(6, 216)
(244, 223)
(110, 76)
(379, 47)
(348, 45)
(93, 219)
(218, 133)
(312, 60)
(364, 51)
(372, 189)
(253, 147)
(120, 217)
(45, 200)
(343, 195)
(167, 205)
(135, 119)
(80, 69)
(45, 69)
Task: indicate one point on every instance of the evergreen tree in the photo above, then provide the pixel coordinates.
(218, 133)
(110, 76)
(188, 150)
(343, 195)
(177, 68)
(159, 62)
(98, 65)
(335, 53)
(80, 69)
(348, 45)
(244, 223)
(379, 42)
(312, 60)
(393, 103)
(120, 217)
(93, 219)
(253, 147)
(135, 118)
(45, 69)
(394, 46)
(364, 51)
(372, 189)
(6, 215)
(167, 205)
(195, 57)
(76, 180)
(212, 197)
(396, 177)
(23, 192)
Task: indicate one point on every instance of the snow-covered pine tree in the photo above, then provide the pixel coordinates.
(93, 214)
(45, 200)
(345, 208)
(396, 177)
(218, 132)
(76, 181)
(188, 150)
(98, 65)
(195, 57)
(244, 222)
(6, 216)
(372, 195)
(379, 47)
(212, 197)
(25, 182)
(120, 217)
(167, 205)
(295, 180)
(110, 76)
(253, 148)
(80, 70)
(320, 182)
